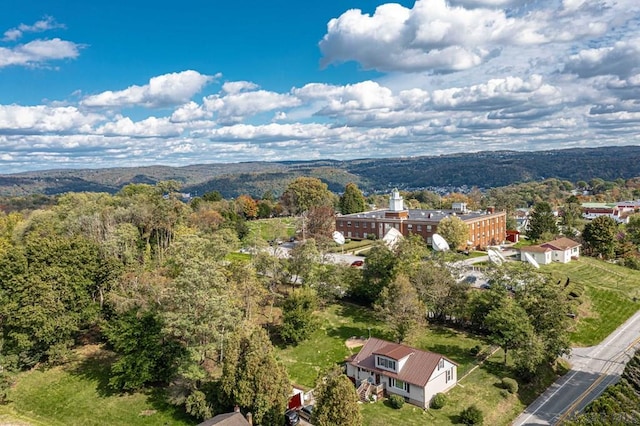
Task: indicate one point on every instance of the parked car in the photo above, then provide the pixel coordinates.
(305, 412)
(357, 263)
(291, 418)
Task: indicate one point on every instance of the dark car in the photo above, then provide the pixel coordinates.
(291, 418)
(357, 263)
(305, 412)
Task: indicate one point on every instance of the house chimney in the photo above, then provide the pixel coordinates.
(236, 408)
(491, 210)
(250, 418)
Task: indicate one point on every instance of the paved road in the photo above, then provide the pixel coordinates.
(593, 369)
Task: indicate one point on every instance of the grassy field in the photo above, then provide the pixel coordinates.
(77, 394)
(271, 229)
(612, 294)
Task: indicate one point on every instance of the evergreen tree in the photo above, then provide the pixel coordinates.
(541, 221)
(336, 401)
(298, 321)
(145, 354)
(253, 379)
(352, 200)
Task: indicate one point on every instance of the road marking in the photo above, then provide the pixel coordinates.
(631, 321)
(599, 380)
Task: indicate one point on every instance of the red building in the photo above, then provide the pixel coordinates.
(485, 228)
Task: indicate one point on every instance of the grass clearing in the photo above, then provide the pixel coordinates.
(274, 228)
(612, 295)
(77, 394)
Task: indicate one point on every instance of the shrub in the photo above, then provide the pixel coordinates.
(396, 401)
(438, 401)
(504, 393)
(510, 384)
(471, 416)
(475, 350)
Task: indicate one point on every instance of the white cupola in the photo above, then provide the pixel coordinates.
(396, 203)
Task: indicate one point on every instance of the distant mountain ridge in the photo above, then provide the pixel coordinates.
(483, 169)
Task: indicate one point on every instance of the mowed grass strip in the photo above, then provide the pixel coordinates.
(612, 295)
(77, 395)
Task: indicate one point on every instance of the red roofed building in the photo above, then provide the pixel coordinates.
(559, 250)
(402, 370)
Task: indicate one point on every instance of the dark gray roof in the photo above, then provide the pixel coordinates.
(427, 216)
(226, 419)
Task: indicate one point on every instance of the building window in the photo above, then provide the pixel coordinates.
(373, 225)
(428, 227)
(409, 226)
(399, 384)
(349, 223)
(357, 224)
(441, 364)
(386, 363)
(419, 228)
(339, 223)
(449, 375)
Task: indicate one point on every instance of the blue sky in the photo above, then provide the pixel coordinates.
(126, 83)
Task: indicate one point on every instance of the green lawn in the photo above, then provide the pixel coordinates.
(77, 395)
(608, 302)
(277, 227)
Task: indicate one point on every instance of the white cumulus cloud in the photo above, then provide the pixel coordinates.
(38, 52)
(164, 90)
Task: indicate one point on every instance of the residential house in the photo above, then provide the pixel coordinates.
(559, 250)
(397, 369)
(617, 211)
(485, 228)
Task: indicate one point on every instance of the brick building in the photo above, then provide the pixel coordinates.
(485, 228)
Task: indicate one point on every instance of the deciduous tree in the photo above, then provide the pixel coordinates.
(509, 326)
(400, 308)
(377, 274)
(454, 231)
(303, 193)
(600, 236)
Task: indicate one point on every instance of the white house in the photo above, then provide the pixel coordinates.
(411, 373)
(559, 250)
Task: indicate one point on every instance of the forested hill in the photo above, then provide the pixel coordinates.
(484, 170)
